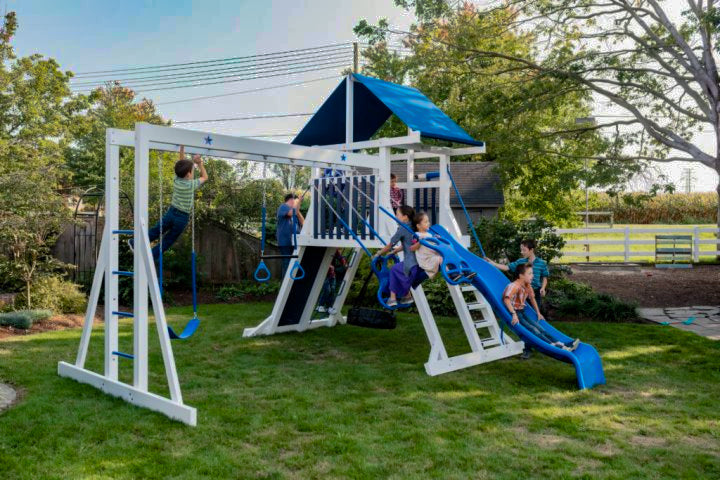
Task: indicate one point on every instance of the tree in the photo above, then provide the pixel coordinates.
(36, 111)
(516, 112)
(653, 59)
(112, 106)
(32, 214)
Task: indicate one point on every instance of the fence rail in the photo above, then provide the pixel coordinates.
(593, 238)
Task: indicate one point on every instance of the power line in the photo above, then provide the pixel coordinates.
(289, 67)
(285, 73)
(253, 117)
(253, 66)
(209, 61)
(242, 92)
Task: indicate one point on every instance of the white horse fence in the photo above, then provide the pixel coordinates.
(602, 244)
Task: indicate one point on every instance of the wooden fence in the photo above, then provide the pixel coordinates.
(223, 257)
(603, 243)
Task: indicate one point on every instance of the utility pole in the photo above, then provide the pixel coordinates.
(688, 178)
(356, 58)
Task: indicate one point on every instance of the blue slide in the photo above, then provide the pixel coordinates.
(492, 282)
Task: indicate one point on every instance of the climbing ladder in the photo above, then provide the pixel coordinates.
(145, 284)
(491, 346)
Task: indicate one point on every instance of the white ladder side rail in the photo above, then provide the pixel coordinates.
(111, 253)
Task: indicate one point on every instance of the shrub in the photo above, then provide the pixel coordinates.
(577, 300)
(501, 238)
(23, 319)
(56, 294)
(243, 290)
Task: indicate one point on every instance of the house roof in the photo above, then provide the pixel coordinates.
(479, 184)
(374, 101)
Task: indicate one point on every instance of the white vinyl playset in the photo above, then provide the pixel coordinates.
(367, 178)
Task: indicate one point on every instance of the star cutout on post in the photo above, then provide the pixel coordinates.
(343, 157)
(208, 140)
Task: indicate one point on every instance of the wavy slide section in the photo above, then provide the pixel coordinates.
(492, 282)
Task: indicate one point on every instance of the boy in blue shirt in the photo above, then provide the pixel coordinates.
(540, 274)
(286, 227)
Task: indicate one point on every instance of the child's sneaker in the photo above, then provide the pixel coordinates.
(558, 344)
(331, 311)
(130, 244)
(321, 309)
(526, 354)
(575, 345)
(392, 303)
(407, 300)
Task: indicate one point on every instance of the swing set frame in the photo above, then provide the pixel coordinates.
(145, 138)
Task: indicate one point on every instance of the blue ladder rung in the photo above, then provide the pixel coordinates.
(123, 314)
(124, 232)
(123, 273)
(124, 355)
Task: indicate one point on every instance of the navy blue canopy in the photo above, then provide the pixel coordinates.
(373, 103)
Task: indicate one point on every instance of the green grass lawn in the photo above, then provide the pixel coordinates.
(355, 403)
(650, 247)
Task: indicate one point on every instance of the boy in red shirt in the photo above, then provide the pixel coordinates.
(514, 297)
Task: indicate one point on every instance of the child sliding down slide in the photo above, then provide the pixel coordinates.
(514, 298)
(406, 274)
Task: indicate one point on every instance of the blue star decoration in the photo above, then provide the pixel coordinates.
(208, 140)
(343, 157)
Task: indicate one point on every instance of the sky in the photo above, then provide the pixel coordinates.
(92, 35)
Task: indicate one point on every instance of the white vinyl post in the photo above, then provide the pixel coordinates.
(447, 219)
(140, 283)
(410, 168)
(382, 195)
(627, 244)
(111, 251)
(349, 97)
(696, 244)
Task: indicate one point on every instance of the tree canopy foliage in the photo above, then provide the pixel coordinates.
(639, 57)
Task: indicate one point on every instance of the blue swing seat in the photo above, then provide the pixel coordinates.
(187, 332)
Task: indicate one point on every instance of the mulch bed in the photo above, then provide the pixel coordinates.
(57, 322)
(654, 287)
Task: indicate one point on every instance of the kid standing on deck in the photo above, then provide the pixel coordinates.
(396, 195)
(514, 297)
(406, 274)
(177, 216)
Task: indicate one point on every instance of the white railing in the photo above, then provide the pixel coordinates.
(627, 237)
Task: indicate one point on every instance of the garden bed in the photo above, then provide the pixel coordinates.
(653, 287)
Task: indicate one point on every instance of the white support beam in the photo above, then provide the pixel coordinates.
(140, 285)
(112, 220)
(410, 139)
(126, 138)
(135, 396)
(429, 151)
(237, 145)
(349, 110)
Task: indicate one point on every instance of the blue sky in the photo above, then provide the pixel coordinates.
(85, 35)
(89, 35)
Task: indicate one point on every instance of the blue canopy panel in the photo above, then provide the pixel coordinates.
(373, 103)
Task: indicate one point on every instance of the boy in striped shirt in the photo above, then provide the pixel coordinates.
(177, 216)
(515, 296)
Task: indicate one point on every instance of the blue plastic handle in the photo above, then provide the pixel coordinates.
(297, 272)
(262, 273)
